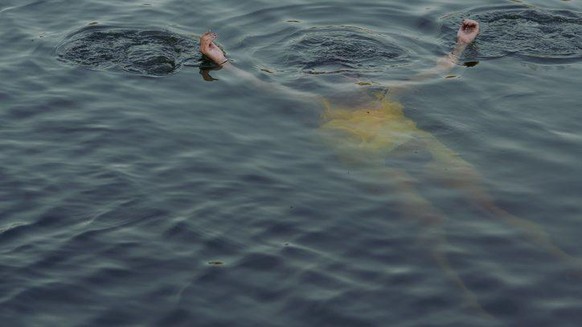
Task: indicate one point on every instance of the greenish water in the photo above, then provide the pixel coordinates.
(136, 193)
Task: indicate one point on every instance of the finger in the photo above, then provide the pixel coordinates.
(209, 35)
(469, 27)
(204, 41)
(472, 22)
(206, 35)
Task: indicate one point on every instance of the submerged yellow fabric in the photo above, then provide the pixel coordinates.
(371, 128)
(366, 134)
(370, 133)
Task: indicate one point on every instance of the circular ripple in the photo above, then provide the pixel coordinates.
(140, 51)
(526, 32)
(322, 50)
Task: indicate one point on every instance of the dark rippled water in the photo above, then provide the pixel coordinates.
(139, 189)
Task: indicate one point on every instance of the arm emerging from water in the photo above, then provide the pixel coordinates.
(467, 33)
(214, 53)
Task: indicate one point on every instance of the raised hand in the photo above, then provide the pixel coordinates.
(211, 50)
(467, 31)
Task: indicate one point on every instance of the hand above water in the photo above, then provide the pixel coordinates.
(468, 31)
(211, 50)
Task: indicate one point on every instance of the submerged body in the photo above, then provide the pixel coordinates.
(378, 136)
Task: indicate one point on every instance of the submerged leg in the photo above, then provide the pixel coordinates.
(461, 175)
(364, 137)
(412, 204)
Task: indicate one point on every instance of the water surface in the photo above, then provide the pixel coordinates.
(136, 193)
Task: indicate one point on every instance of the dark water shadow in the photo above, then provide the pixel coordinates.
(338, 49)
(137, 50)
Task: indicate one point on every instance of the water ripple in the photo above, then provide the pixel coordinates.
(141, 51)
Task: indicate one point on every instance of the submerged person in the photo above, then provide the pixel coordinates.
(377, 135)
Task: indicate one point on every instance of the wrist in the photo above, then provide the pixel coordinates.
(452, 58)
(459, 49)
